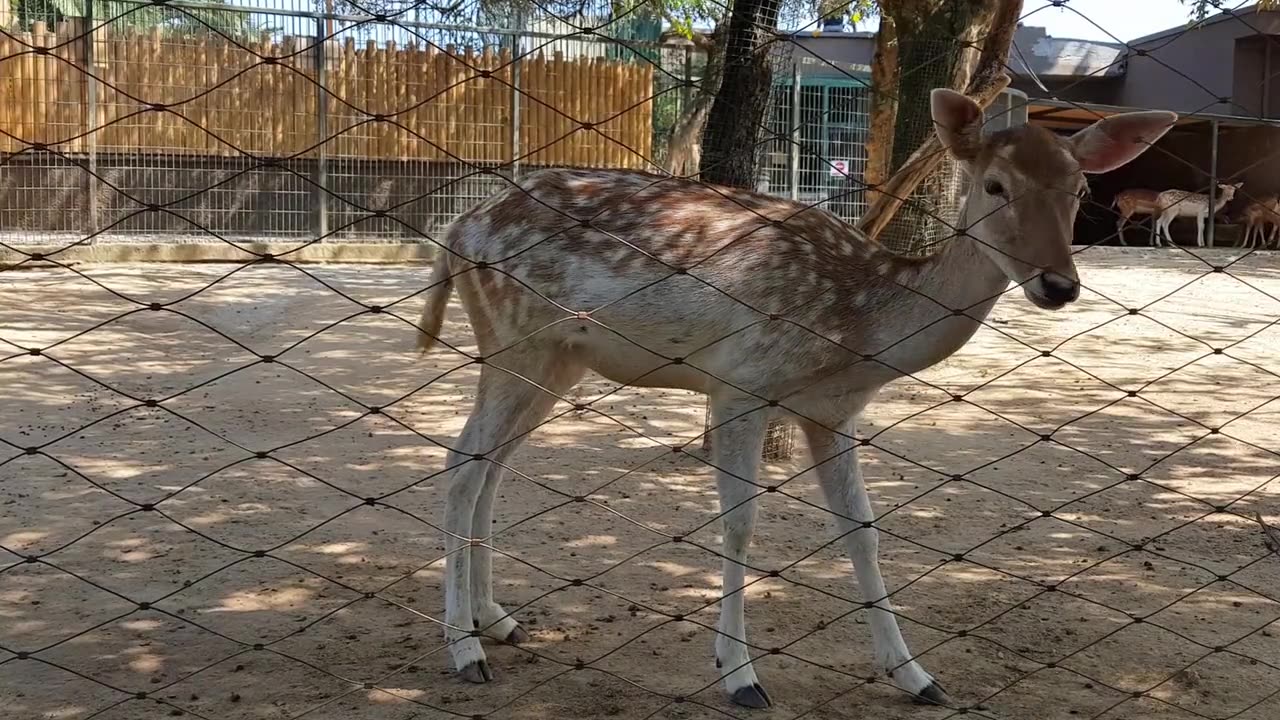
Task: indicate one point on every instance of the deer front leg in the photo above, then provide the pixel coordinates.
(736, 446)
(1200, 221)
(1165, 221)
(841, 477)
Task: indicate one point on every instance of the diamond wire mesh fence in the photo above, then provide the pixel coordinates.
(224, 483)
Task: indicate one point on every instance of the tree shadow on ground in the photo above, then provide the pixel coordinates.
(346, 593)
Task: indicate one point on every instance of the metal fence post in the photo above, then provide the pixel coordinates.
(686, 92)
(320, 172)
(1213, 181)
(793, 147)
(515, 107)
(90, 58)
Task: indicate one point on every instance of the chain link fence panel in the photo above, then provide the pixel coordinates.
(222, 485)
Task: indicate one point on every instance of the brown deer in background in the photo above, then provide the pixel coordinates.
(1258, 215)
(1136, 201)
(768, 306)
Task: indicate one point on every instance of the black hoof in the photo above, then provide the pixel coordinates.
(933, 694)
(517, 636)
(752, 696)
(477, 672)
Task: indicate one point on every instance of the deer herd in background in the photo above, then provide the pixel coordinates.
(1261, 216)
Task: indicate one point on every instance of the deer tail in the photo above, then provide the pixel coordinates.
(437, 301)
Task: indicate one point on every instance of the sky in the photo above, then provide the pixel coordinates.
(1107, 20)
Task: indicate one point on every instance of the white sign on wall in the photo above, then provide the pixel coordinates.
(839, 168)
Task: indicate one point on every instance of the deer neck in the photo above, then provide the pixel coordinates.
(922, 327)
(961, 275)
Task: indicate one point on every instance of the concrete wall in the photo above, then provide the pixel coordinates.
(1105, 91)
(844, 54)
(1190, 71)
(832, 54)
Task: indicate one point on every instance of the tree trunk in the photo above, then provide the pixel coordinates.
(732, 139)
(931, 53)
(684, 149)
(931, 50)
(731, 143)
(992, 33)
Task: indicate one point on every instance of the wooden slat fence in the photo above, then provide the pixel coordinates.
(452, 104)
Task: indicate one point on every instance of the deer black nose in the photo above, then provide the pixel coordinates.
(1059, 288)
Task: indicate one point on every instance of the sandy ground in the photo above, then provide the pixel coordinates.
(342, 604)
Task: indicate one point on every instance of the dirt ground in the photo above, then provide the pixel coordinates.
(341, 605)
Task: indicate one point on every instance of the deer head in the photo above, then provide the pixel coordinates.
(1227, 193)
(1026, 184)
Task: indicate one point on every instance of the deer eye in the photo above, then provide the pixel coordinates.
(993, 187)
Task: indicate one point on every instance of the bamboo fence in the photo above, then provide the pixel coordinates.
(157, 93)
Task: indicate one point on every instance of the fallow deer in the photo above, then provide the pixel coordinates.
(766, 305)
(1184, 203)
(1259, 215)
(1136, 201)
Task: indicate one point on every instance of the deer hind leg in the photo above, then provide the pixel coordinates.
(738, 429)
(506, 406)
(489, 617)
(839, 473)
(1166, 219)
(1120, 228)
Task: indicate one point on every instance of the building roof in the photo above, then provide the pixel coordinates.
(1038, 54)
(1075, 115)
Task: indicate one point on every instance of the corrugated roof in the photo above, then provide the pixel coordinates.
(1049, 57)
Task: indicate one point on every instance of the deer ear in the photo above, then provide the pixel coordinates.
(958, 122)
(1114, 141)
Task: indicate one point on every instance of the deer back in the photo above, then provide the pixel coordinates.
(1137, 200)
(667, 261)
